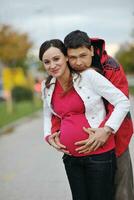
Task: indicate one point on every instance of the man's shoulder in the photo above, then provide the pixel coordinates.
(111, 64)
(114, 72)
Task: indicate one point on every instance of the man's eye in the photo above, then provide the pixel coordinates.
(72, 58)
(84, 55)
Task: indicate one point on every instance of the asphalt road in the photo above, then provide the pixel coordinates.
(29, 168)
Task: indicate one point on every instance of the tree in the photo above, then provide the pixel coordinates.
(125, 56)
(14, 47)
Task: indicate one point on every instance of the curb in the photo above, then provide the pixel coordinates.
(10, 127)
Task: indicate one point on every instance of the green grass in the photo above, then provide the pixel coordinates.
(131, 89)
(20, 110)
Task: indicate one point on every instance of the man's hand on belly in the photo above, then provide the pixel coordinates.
(97, 138)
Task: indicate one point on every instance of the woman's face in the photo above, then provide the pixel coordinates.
(55, 62)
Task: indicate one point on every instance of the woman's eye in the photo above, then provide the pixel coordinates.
(46, 62)
(56, 58)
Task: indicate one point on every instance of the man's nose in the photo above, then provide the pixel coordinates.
(78, 61)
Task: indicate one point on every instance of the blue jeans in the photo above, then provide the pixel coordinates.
(91, 177)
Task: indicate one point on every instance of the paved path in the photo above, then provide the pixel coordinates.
(29, 168)
(132, 141)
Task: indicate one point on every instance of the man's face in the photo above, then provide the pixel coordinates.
(80, 58)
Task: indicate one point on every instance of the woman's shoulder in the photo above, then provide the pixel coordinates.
(43, 85)
(92, 73)
(93, 77)
(89, 73)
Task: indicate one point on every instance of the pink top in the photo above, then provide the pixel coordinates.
(70, 108)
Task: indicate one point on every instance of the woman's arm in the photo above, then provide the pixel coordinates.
(52, 137)
(47, 116)
(47, 113)
(56, 121)
(51, 126)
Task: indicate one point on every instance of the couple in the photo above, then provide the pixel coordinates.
(92, 130)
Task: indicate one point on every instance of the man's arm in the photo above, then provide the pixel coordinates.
(100, 136)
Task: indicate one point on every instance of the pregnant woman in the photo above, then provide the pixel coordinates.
(67, 95)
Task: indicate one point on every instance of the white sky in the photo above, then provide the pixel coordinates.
(111, 20)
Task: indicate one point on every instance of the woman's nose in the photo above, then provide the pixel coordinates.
(52, 65)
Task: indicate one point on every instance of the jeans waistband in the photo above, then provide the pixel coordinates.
(105, 155)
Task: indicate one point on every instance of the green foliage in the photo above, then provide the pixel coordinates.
(125, 56)
(131, 89)
(14, 46)
(20, 93)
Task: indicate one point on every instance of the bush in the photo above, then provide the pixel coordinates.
(20, 93)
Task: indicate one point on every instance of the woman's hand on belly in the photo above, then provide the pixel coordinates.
(54, 141)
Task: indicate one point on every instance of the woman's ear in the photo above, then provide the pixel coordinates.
(92, 51)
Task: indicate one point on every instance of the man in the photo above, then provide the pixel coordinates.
(77, 51)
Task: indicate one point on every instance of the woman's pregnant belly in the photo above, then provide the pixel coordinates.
(72, 131)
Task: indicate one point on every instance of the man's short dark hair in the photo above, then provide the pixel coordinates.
(77, 39)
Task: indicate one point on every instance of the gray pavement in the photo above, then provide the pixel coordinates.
(29, 168)
(132, 140)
